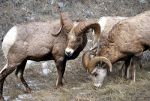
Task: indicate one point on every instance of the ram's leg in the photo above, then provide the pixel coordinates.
(135, 60)
(121, 71)
(8, 69)
(140, 64)
(60, 64)
(140, 60)
(63, 70)
(133, 69)
(19, 73)
(127, 68)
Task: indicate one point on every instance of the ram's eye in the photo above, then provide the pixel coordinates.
(78, 39)
(95, 74)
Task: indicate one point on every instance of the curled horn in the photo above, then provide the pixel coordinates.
(86, 59)
(66, 21)
(85, 25)
(96, 59)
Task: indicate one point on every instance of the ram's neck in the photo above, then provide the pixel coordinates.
(111, 52)
(80, 48)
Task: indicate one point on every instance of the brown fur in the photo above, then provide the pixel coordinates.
(40, 41)
(110, 22)
(79, 30)
(128, 38)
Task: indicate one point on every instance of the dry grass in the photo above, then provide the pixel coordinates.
(78, 86)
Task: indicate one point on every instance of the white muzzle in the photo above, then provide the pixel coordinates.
(69, 52)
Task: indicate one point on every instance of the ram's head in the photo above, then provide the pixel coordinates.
(97, 66)
(78, 31)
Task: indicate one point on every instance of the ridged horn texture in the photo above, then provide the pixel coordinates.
(97, 59)
(85, 25)
(86, 59)
(66, 21)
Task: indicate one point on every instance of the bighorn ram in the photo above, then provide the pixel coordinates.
(106, 23)
(40, 41)
(126, 40)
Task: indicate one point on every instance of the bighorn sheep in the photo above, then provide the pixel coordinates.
(106, 24)
(126, 40)
(40, 41)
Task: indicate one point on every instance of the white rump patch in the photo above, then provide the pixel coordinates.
(102, 21)
(9, 40)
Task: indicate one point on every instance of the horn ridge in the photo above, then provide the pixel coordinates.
(86, 59)
(85, 25)
(97, 59)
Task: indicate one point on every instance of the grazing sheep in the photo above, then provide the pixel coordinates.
(40, 41)
(127, 40)
(106, 23)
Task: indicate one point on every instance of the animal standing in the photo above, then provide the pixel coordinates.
(126, 40)
(106, 23)
(41, 41)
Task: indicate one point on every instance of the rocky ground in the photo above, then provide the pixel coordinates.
(77, 82)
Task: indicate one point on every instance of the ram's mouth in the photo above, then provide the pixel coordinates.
(69, 52)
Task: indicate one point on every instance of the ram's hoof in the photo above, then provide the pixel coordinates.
(28, 90)
(58, 85)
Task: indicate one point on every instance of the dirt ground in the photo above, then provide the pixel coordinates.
(77, 83)
(78, 86)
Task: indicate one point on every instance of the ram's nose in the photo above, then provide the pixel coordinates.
(69, 52)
